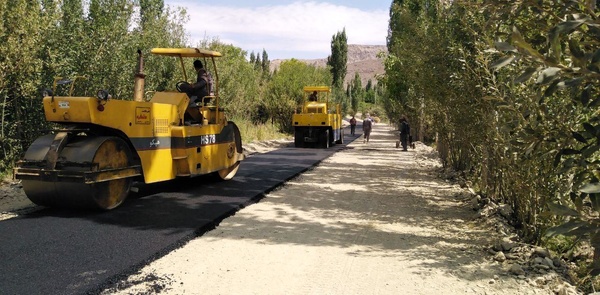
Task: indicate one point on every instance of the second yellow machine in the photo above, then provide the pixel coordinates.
(103, 144)
(318, 123)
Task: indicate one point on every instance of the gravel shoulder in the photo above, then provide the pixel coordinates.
(368, 220)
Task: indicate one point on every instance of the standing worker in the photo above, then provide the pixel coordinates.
(352, 125)
(404, 133)
(367, 127)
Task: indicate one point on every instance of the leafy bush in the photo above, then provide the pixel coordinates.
(512, 99)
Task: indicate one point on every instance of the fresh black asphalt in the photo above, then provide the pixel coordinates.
(55, 251)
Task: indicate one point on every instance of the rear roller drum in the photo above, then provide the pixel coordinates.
(341, 140)
(228, 173)
(81, 154)
(235, 150)
(324, 139)
(298, 137)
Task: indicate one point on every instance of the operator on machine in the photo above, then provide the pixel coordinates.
(198, 90)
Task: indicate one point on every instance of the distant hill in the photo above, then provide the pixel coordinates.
(361, 58)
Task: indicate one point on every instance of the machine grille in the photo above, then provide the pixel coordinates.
(161, 126)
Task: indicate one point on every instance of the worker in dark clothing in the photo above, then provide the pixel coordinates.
(313, 96)
(197, 92)
(200, 88)
(404, 133)
(352, 125)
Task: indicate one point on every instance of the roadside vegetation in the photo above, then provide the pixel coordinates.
(508, 92)
(98, 40)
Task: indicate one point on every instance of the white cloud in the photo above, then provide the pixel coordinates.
(303, 29)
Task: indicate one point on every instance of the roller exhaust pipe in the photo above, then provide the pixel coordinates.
(138, 91)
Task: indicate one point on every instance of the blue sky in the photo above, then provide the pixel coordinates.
(286, 29)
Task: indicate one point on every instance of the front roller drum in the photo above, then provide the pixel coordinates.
(106, 158)
(234, 150)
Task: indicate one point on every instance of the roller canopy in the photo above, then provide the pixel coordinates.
(185, 52)
(317, 89)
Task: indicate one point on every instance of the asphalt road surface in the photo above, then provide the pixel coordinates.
(64, 252)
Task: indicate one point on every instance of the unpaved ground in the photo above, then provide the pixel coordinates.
(13, 200)
(369, 220)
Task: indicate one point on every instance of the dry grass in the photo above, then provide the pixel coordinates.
(263, 132)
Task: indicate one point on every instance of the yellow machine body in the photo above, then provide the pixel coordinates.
(317, 123)
(102, 144)
(165, 146)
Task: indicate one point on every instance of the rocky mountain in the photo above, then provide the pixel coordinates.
(362, 59)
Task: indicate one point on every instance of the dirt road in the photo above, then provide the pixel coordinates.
(369, 220)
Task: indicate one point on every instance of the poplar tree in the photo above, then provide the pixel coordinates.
(258, 63)
(356, 91)
(338, 58)
(266, 65)
(150, 10)
(71, 33)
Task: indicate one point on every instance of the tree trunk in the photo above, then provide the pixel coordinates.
(18, 123)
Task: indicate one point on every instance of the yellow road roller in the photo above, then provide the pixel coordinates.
(102, 145)
(317, 123)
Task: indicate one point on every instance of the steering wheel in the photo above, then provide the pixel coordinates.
(180, 86)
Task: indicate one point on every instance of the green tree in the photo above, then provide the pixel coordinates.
(166, 30)
(266, 65)
(41, 40)
(509, 91)
(338, 59)
(20, 31)
(258, 63)
(351, 98)
(115, 52)
(49, 50)
(150, 11)
(71, 35)
(356, 92)
(238, 80)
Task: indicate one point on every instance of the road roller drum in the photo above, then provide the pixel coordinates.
(86, 174)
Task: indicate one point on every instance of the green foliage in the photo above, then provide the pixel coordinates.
(238, 80)
(562, 99)
(339, 96)
(512, 100)
(40, 41)
(150, 11)
(560, 244)
(356, 92)
(19, 72)
(375, 111)
(338, 59)
(265, 65)
(252, 132)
